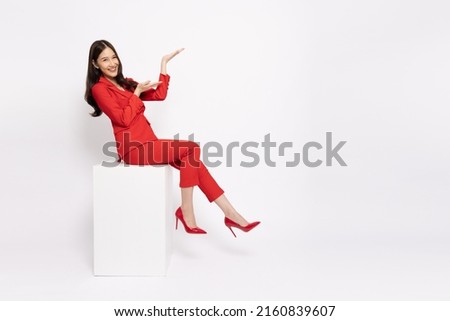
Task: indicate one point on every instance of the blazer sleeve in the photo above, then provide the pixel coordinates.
(119, 115)
(160, 93)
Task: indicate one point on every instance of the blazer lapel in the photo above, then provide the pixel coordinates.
(108, 83)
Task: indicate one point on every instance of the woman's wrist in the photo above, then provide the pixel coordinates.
(164, 67)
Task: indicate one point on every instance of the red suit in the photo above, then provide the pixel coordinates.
(136, 142)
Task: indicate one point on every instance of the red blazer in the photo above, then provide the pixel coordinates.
(126, 112)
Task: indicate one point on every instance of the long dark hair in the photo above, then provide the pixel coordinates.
(93, 74)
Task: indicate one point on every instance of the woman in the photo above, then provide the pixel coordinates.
(121, 100)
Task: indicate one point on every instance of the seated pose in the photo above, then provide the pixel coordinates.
(121, 99)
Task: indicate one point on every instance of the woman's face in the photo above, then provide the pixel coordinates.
(108, 63)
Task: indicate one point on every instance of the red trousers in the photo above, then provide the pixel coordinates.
(183, 155)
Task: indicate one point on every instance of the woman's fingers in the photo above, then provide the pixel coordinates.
(176, 52)
(168, 57)
(154, 84)
(146, 85)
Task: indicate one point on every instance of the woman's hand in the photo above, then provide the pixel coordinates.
(168, 57)
(165, 59)
(146, 85)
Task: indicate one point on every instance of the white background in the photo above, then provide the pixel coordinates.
(375, 74)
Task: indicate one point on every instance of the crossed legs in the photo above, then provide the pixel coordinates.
(185, 156)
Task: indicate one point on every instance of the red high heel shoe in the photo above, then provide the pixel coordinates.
(230, 223)
(194, 230)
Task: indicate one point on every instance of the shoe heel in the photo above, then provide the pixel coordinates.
(230, 223)
(179, 217)
(232, 231)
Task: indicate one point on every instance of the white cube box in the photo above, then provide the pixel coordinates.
(133, 219)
